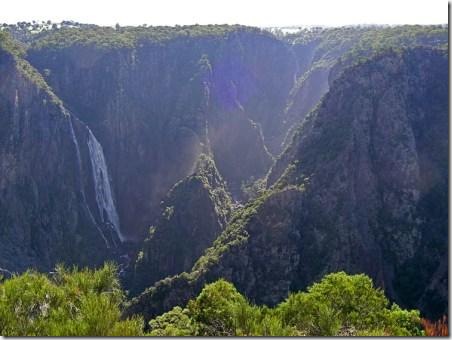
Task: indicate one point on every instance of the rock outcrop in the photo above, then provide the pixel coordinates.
(193, 215)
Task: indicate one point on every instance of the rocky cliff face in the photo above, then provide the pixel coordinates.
(193, 215)
(45, 172)
(380, 172)
(153, 107)
(350, 193)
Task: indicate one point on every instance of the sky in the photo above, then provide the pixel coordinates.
(261, 13)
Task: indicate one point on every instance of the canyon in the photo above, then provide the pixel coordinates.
(193, 153)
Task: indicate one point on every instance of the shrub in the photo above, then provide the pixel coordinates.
(67, 303)
(213, 310)
(339, 304)
(173, 323)
(341, 301)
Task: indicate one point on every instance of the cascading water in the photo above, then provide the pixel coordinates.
(74, 140)
(104, 197)
(79, 164)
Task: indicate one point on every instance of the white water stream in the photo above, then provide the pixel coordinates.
(104, 197)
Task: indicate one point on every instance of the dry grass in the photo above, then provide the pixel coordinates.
(436, 328)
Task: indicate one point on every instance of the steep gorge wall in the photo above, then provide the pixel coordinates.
(354, 191)
(157, 106)
(45, 216)
(369, 168)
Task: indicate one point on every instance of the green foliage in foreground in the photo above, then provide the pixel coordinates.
(68, 303)
(340, 304)
(87, 303)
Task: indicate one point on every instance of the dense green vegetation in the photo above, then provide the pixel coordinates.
(403, 37)
(109, 37)
(355, 43)
(340, 304)
(373, 36)
(11, 46)
(69, 302)
(330, 41)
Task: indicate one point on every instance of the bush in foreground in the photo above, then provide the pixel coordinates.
(66, 303)
(72, 302)
(339, 304)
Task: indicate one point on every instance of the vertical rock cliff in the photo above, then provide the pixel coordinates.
(45, 216)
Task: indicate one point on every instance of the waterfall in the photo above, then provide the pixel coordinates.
(74, 140)
(104, 197)
(79, 165)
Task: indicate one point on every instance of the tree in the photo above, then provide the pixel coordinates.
(213, 310)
